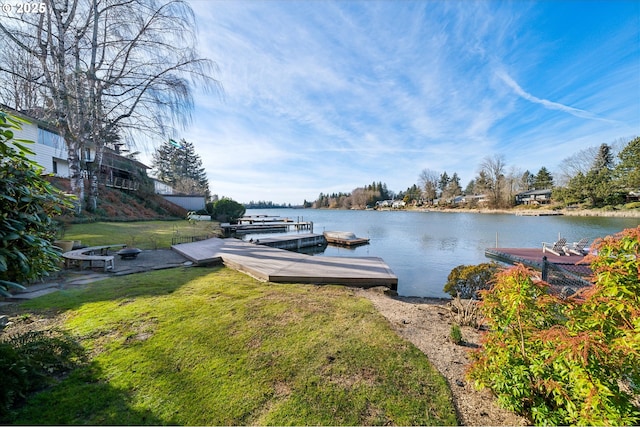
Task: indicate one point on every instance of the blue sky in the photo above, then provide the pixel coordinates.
(326, 96)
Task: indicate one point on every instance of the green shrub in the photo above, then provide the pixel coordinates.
(31, 360)
(225, 210)
(456, 334)
(632, 205)
(27, 204)
(566, 362)
(465, 281)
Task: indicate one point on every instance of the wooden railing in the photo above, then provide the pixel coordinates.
(122, 183)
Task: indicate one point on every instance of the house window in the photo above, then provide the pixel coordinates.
(50, 139)
(55, 167)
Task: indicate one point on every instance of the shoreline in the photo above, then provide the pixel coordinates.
(632, 213)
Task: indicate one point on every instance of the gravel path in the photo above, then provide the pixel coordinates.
(427, 324)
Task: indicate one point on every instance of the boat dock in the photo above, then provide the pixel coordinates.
(539, 213)
(571, 266)
(276, 265)
(293, 242)
(266, 224)
(344, 238)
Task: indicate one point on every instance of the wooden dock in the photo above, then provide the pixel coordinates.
(266, 224)
(538, 213)
(533, 257)
(344, 238)
(277, 265)
(293, 241)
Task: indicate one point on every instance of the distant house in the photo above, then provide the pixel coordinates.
(398, 204)
(534, 197)
(473, 199)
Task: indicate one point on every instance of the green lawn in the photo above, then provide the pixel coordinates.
(140, 234)
(195, 346)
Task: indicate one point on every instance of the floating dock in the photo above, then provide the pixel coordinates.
(277, 265)
(293, 242)
(344, 238)
(539, 213)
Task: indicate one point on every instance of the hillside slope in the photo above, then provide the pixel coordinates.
(121, 205)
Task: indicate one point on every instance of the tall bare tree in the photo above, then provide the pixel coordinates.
(429, 180)
(493, 171)
(110, 66)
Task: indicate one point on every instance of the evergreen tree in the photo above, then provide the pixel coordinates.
(527, 181)
(628, 170)
(176, 163)
(604, 159)
(543, 180)
(470, 188)
(453, 188)
(444, 182)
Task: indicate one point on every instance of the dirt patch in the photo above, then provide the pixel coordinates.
(427, 324)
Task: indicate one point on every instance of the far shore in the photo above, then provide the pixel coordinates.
(631, 213)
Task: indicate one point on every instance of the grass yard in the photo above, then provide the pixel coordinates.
(140, 234)
(195, 346)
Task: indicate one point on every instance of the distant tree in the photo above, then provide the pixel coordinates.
(470, 188)
(604, 159)
(429, 180)
(361, 197)
(177, 162)
(452, 188)
(412, 195)
(627, 172)
(580, 162)
(443, 182)
(526, 181)
(493, 180)
(543, 179)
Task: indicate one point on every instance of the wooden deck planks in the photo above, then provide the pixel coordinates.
(277, 265)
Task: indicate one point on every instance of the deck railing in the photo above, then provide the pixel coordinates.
(122, 184)
(176, 240)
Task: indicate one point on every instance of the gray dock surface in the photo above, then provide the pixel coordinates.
(277, 265)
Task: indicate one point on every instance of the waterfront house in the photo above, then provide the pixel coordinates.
(50, 152)
(534, 197)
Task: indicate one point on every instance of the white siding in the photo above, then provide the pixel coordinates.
(45, 155)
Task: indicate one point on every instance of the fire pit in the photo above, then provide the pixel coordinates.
(129, 253)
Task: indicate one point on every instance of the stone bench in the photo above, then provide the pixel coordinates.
(80, 256)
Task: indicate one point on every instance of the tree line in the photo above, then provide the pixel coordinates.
(593, 177)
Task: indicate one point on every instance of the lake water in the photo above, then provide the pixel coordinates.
(423, 247)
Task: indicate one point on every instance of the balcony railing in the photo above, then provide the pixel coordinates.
(122, 184)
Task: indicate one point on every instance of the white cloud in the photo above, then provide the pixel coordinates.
(335, 94)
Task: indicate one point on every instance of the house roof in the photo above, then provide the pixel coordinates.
(535, 192)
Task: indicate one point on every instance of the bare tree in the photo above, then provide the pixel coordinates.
(18, 83)
(493, 170)
(429, 180)
(110, 66)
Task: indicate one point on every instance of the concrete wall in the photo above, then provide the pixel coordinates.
(190, 203)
